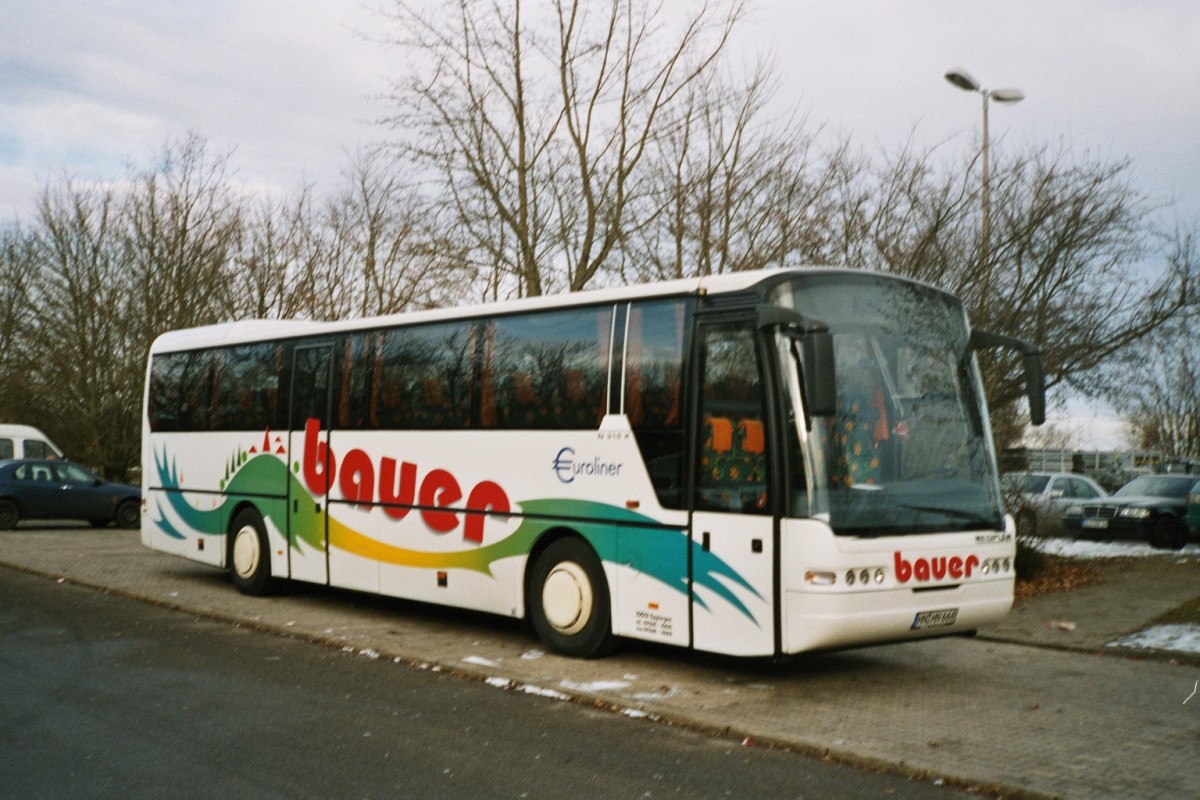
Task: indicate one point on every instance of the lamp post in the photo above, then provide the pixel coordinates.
(963, 80)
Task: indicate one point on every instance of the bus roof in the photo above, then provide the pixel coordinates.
(246, 331)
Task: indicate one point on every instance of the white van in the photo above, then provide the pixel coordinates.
(23, 441)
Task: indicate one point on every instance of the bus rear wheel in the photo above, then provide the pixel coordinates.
(569, 600)
(250, 554)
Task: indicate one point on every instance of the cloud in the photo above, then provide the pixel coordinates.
(287, 86)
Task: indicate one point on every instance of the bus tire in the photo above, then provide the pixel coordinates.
(9, 515)
(569, 600)
(250, 554)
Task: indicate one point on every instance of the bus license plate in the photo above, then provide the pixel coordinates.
(934, 619)
(1100, 524)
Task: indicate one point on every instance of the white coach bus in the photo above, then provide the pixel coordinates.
(756, 464)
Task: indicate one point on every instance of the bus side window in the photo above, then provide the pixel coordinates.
(653, 381)
(731, 470)
(421, 377)
(354, 382)
(546, 369)
(246, 394)
(180, 392)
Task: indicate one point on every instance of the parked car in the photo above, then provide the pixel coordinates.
(1149, 507)
(1038, 500)
(52, 489)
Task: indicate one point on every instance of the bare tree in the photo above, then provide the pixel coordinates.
(1080, 269)
(272, 277)
(732, 188)
(109, 268)
(537, 130)
(182, 232)
(915, 219)
(383, 247)
(1163, 404)
(1162, 401)
(84, 368)
(18, 271)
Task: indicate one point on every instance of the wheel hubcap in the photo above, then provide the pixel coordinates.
(567, 598)
(245, 552)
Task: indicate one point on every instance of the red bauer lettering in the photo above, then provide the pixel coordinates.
(922, 570)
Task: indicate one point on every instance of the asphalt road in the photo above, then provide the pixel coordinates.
(104, 696)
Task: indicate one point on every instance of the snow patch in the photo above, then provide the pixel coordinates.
(480, 661)
(540, 692)
(595, 686)
(1182, 638)
(1083, 548)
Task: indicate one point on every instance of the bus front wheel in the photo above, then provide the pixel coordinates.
(250, 555)
(569, 600)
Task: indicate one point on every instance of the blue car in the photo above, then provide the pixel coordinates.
(52, 489)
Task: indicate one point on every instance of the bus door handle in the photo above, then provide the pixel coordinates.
(705, 541)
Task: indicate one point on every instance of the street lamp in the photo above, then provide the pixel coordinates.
(963, 80)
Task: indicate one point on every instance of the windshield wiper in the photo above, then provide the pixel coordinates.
(956, 513)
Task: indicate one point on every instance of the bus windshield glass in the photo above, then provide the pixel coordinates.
(908, 449)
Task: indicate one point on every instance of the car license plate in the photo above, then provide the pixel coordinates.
(1099, 524)
(934, 619)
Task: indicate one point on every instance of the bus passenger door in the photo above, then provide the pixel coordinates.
(733, 539)
(308, 533)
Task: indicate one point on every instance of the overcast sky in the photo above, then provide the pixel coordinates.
(89, 87)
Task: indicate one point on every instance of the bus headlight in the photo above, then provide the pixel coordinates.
(995, 566)
(853, 576)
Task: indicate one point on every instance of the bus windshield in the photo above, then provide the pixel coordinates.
(908, 449)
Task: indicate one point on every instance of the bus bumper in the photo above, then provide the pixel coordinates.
(822, 620)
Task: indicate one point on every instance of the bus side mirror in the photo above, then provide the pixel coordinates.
(1031, 358)
(815, 359)
(820, 380)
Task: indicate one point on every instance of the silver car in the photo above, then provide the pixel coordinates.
(1039, 499)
